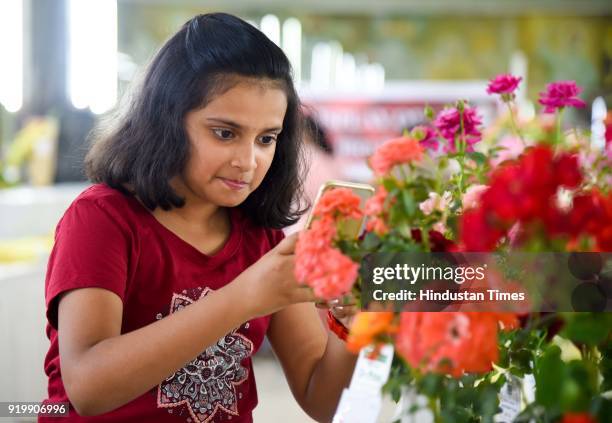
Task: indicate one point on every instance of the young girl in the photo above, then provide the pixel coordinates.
(168, 272)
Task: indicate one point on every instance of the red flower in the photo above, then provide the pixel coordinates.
(592, 214)
(393, 152)
(503, 84)
(478, 231)
(561, 94)
(449, 122)
(578, 418)
(568, 170)
(437, 242)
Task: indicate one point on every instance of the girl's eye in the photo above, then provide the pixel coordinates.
(224, 134)
(267, 139)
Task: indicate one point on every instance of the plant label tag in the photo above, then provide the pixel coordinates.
(372, 369)
(509, 400)
(358, 406)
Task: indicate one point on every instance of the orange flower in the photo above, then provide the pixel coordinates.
(578, 418)
(366, 326)
(395, 151)
(339, 201)
(444, 342)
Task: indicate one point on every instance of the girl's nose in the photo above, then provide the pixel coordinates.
(244, 157)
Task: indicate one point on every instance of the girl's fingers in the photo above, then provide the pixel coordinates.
(321, 304)
(344, 311)
(303, 294)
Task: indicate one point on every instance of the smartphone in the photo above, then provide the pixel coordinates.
(348, 228)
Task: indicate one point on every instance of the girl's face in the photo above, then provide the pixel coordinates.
(232, 142)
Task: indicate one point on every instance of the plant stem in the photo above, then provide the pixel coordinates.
(433, 406)
(559, 114)
(514, 125)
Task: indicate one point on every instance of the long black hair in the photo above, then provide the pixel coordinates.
(145, 144)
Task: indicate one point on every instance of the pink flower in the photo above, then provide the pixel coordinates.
(435, 202)
(393, 152)
(503, 84)
(427, 136)
(449, 121)
(471, 198)
(510, 148)
(561, 94)
(439, 227)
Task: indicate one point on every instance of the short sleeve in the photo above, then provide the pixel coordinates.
(91, 250)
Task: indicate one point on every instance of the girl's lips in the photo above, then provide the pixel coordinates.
(233, 184)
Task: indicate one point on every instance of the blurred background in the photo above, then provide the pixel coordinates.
(364, 69)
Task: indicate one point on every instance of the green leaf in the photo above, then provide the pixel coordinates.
(605, 367)
(428, 112)
(587, 328)
(430, 384)
(478, 157)
(371, 241)
(390, 186)
(549, 377)
(409, 204)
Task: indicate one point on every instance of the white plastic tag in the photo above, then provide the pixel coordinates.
(358, 407)
(509, 400)
(362, 401)
(372, 373)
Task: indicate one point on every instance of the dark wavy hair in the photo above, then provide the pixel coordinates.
(144, 144)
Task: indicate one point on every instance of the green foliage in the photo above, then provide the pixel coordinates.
(588, 328)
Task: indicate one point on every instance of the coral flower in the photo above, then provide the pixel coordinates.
(448, 346)
(375, 205)
(366, 327)
(339, 202)
(311, 245)
(559, 95)
(333, 275)
(393, 152)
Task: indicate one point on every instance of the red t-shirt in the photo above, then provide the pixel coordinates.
(109, 240)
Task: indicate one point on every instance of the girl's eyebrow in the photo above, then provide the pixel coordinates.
(237, 125)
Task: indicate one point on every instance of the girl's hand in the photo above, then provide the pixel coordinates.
(343, 309)
(269, 284)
